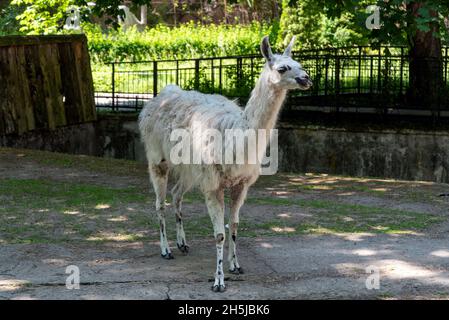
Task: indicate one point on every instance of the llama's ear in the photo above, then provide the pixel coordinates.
(266, 50)
(288, 50)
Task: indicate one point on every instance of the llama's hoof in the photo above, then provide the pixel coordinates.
(167, 256)
(219, 288)
(236, 271)
(183, 248)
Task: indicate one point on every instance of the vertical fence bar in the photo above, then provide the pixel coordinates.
(197, 74)
(177, 72)
(252, 70)
(359, 89)
(446, 58)
(220, 76)
(155, 79)
(379, 63)
(212, 75)
(371, 73)
(113, 86)
(326, 77)
(239, 74)
(402, 71)
(337, 80)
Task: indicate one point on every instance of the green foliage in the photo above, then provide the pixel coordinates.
(314, 27)
(185, 41)
(8, 23)
(41, 16)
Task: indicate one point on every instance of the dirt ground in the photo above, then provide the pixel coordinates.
(309, 236)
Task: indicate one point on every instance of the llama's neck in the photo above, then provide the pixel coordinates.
(263, 106)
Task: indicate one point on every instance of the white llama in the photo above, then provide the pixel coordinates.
(175, 108)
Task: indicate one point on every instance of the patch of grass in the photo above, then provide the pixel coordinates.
(345, 218)
(45, 211)
(117, 167)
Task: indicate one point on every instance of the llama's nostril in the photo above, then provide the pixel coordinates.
(304, 81)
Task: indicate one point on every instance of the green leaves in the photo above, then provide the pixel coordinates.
(185, 41)
(41, 16)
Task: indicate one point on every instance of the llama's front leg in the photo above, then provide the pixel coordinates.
(159, 177)
(238, 195)
(215, 207)
(178, 192)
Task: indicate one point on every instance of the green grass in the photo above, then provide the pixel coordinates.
(333, 217)
(48, 211)
(117, 167)
(41, 211)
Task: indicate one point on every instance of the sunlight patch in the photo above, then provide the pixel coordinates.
(71, 212)
(283, 229)
(118, 219)
(102, 206)
(440, 253)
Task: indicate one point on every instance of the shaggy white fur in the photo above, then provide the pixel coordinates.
(175, 108)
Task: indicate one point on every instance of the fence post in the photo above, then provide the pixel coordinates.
(371, 80)
(337, 80)
(239, 73)
(252, 70)
(221, 76)
(113, 86)
(379, 76)
(177, 72)
(446, 57)
(359, 89)
(197, 74)
(401, 70)
(326, 77)
(212, 75)
(155, 79)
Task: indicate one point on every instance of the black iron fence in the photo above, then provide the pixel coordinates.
(356, 79)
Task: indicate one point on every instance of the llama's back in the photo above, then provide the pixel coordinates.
(175, 108)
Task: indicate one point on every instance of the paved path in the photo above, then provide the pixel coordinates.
(308, 267)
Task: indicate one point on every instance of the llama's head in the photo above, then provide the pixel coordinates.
(284, 72)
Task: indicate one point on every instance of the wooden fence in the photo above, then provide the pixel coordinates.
(45, 83)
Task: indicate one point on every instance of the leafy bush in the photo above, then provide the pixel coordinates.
(186, 41)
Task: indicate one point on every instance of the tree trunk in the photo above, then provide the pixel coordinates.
(144, 15)
(426, 65)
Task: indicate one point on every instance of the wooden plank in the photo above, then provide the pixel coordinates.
(13, 117)
(87, 80)
(27, 107)
(7, 41)
(35, 85)
(3, 71)
(70, 84)
(86, 94)
(52, 88)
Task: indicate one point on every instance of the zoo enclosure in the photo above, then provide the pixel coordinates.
(357, 79)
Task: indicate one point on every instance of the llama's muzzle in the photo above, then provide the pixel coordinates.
(304, 81)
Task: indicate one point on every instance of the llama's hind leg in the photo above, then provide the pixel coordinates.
(238, 195)
(159, 178)
(178, 193)
(215, 207)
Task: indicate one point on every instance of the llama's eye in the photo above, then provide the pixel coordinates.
(283, 69)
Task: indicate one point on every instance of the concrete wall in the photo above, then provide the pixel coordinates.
(402, 154)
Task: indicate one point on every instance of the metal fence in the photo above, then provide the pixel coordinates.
(355, 78)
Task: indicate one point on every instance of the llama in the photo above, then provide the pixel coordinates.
(175, 108)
